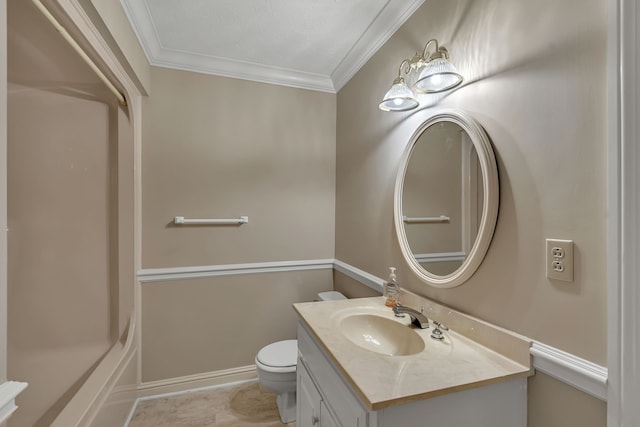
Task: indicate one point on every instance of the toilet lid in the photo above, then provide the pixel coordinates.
(279, 354)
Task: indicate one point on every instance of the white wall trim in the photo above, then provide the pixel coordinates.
(391, 17)
(194, 272)
(187, 61)
(380, 31)
(570, 369)
(138, 12)
(623, 248)
(9, 390)
(361, 276)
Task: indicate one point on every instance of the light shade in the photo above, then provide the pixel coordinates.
(438, 75)
(399, 97)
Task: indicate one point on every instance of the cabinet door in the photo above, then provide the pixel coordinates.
(326, 417)
(308, 399)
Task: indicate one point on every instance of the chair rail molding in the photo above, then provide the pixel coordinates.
(193, 272)
(570, 369)
(8, 393)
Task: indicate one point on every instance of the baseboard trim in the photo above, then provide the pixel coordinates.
(173, 386)
(570, 369)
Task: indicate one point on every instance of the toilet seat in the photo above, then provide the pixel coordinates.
(281, 356)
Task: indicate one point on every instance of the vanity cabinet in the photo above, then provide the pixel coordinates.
(326, 399)
(312, 410)
(323, 398)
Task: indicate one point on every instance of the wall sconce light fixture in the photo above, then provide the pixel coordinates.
(436, 74)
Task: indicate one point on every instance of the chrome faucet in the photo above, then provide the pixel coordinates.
(417, 318)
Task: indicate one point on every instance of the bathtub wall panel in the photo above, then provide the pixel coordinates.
(59, 270)
(70, 202)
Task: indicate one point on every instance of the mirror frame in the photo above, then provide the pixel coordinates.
(490, 202)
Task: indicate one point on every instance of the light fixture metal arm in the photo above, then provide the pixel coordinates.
(407, 64)
(426, 49)
(439, 52)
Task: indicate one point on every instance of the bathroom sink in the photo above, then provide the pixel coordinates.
(381, 335)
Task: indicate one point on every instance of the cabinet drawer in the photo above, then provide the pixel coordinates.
(336, 393)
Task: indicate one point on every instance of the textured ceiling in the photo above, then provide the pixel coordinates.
(312, 44)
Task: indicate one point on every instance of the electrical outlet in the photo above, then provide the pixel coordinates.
(559, 256)
(558, 266)
(557, 252)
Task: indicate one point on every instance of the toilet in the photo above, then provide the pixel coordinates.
(276, 366)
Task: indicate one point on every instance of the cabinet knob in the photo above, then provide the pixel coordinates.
(314, 420)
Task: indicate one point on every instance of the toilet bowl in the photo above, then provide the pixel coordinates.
(276, 367)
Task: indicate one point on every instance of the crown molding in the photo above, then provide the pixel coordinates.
(392, 16)
(379, 32)
(189, 61)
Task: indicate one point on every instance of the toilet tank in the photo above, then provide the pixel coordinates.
(330, 296)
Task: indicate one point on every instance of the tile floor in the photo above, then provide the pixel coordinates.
(241, 405)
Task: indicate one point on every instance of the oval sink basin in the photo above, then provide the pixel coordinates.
(381, 335)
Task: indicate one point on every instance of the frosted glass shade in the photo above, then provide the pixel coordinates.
(437, 76)
(399, 98)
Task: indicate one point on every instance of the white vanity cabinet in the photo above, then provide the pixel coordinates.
(326, 399)
(323, 398)
(312, 410)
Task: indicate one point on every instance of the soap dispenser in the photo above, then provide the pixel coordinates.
(392, 289)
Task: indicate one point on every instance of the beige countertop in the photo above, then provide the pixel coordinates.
(456, 363)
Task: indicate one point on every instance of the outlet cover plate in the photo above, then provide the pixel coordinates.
(559, 258)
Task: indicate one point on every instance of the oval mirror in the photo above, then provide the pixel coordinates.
(446, 199)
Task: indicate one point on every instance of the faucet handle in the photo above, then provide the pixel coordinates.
(437, 334)
(440, 325)
(396, 311)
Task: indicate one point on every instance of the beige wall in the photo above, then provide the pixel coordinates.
(198, 326)
(533, 83)
(216, 147)
(351, 288)
(553, 403)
